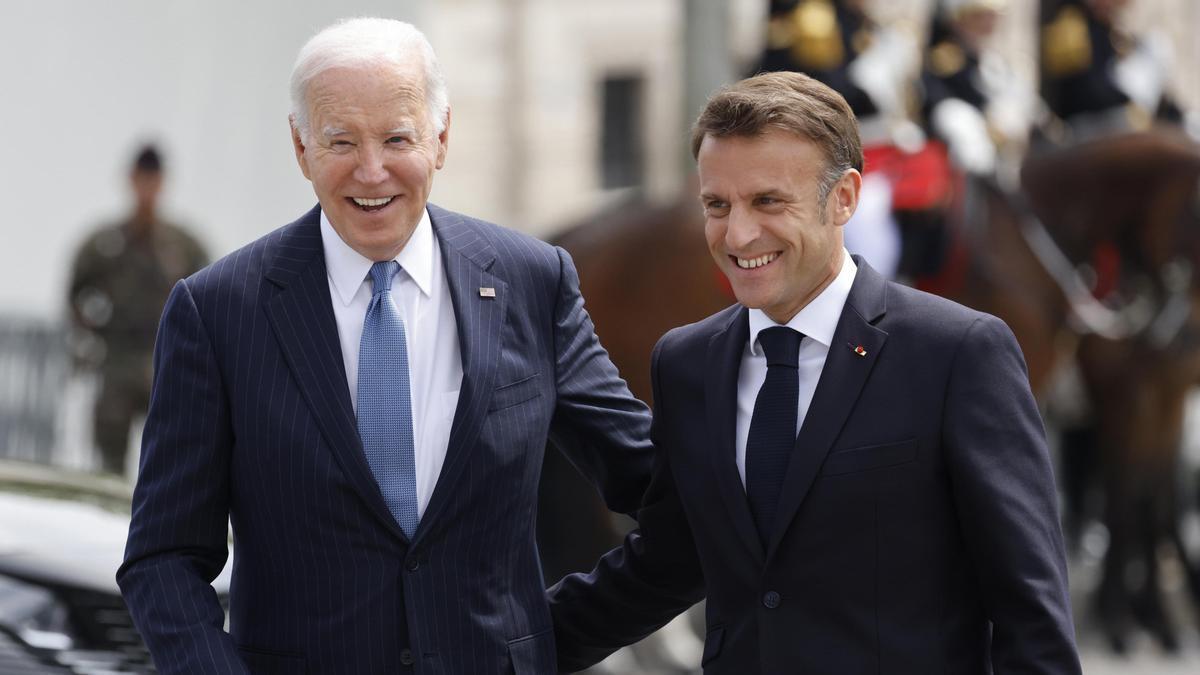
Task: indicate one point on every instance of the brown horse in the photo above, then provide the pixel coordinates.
(1134, 195)
(645, 269)
(1120, 209)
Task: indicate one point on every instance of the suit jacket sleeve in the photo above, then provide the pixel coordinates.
(1005, 499)
(639, 587)
(178, 535)
(597, 422)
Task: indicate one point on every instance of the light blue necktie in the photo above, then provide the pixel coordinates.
(385, 400)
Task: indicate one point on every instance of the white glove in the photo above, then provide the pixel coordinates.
(884, 69)
(1142, 75)
(1191, 124)
(966, 134)
(1011, 100)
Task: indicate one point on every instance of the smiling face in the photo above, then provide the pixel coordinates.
(371, 153)
(766, 227)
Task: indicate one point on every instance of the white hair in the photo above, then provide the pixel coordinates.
(367, 41)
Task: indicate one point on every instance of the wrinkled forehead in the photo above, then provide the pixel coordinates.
(376, 89)
(743, 167)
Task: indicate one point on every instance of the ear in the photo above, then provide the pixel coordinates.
(843, 200)
(298, 146)
(443, 141)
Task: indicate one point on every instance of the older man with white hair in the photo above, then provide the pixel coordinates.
(365, 394)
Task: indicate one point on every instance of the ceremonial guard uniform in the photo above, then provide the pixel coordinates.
(972, 100)
(821, 38)
(836, 42)
(1098, 79)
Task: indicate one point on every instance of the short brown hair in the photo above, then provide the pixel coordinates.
(793, 102)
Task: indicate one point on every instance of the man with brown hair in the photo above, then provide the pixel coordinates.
(852, 471)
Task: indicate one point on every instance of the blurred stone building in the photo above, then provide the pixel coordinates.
(561, 106)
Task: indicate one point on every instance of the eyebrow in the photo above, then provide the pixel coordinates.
(762, 193)
(330, 132)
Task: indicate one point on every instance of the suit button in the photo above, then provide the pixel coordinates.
(771, 599)
(406, 657)
(412, 564)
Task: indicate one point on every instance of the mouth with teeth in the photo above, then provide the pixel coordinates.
(754, 263)
(371, 205)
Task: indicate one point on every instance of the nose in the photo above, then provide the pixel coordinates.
(741, 229)
(370, 170)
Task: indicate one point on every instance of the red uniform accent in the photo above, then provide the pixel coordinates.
(1106, 260)
(920, 180)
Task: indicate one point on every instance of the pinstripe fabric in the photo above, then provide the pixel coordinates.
(251, 422)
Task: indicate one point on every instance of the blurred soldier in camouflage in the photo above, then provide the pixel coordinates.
(119, 283)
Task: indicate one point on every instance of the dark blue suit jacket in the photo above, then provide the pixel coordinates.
(917, 530)
(251, 422)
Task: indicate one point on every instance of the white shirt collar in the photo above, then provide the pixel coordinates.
(349, 268)
(819, 318)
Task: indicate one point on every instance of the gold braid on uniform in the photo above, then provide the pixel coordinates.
(946, 59)
(816, 36)
(1066, 45)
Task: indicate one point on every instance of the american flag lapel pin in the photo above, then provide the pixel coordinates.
(487, 292)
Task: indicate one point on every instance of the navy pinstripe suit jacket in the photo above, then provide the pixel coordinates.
(251, 423)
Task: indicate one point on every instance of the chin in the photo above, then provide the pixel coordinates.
(747, 300)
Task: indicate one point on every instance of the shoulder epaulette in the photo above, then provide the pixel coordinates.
(817, 37)
(946, 59)
(1066, 45)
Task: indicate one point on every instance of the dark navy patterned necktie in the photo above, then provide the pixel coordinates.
(773, 426)
(385, 400)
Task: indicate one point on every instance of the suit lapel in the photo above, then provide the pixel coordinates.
(467, 257)
(842, 380)
(720, 396)
(301, 316)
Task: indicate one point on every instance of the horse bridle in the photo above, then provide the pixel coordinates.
(1087, 315)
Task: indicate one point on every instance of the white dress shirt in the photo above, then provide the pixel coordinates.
(817, 321)
(422, 297)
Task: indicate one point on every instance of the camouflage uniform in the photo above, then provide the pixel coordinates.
(119, 284)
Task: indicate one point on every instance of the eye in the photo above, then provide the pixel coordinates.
(766, 200)
(397, 140)
(715, 208)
